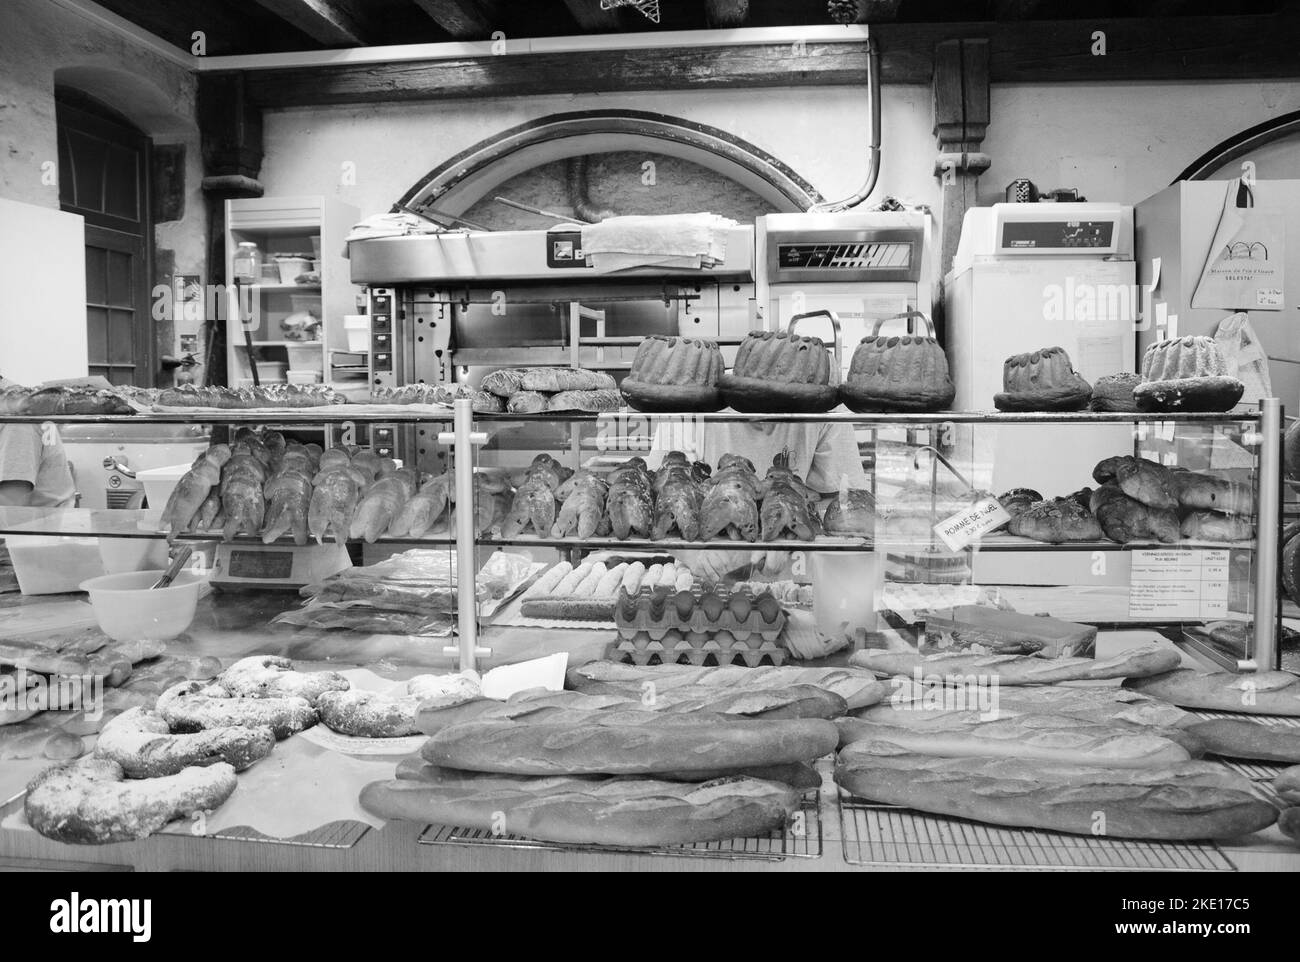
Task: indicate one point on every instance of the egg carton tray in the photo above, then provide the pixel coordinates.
(655, 612)
(677, 648)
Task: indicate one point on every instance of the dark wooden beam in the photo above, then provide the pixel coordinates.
(961, 119)
(726, 13)
(1015, 9)
(466, 19)
(761, 65)
(227, 28)
(335, 22)
(588, 15)
(1183, 48)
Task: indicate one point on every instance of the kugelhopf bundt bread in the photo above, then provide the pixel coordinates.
(1042, 381)
(1186, 374)
(776, 372)
(907, 373)
(1114, 392)
(674, 374)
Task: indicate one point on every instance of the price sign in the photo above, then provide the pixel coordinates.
(971, 524)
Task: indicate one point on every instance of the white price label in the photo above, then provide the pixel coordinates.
(971, 524)
(1268, 297)
(1170, 583)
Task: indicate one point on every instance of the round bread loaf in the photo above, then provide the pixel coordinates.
(92, 802)
(1114, 392)
(776, 372)
(852, 513)
(1042, 381)
(1186, 374)
(674, 374)
(893, 373)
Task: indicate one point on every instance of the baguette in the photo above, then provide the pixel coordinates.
(1057, 740)
(569, 583)
(552, 380)
(857, 688)
(1287, 785)
(594, 401)
(625, 812)
(798, 775)
(1234, 738)
(911, 705)
(1263, 693)
(796, 701)
(627, 743)
(547, 583)
(1289, 823)
(1020, 669)
(1190, 800)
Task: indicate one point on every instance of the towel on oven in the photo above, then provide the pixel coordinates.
(669, 240)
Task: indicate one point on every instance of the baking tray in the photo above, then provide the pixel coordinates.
(335, 835)
(885, 835)
(802, 838)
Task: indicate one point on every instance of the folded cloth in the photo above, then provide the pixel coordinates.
(671, 240)
(395, 224)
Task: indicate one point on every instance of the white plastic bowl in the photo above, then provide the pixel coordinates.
(127, 610)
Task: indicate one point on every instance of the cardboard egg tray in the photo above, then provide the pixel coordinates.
(697, 648)
(700, 614)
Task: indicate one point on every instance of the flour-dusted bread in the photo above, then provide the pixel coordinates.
(1021, 669)
(1189, 800)
(1261, 693)
(592, 402)
(629, 812)
(1287, 785)
(142, 743)
(92, 802)
(552, 380)
(1045, 737)
(627, 743)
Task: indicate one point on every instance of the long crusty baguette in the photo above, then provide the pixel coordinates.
(856, 687)
(1289, 823)
(1263, 693)
(1020, 669)
(1053, 739)
(912, 705)
(632, 812)
(1287, 785)
(1234, 738)
(627, 743)
(798, 775)
(1184, 801)
(797, 701)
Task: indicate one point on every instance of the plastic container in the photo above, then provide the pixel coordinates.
(127, 610)
(305, 303)
(357, 327)
(47, 565)
(159, 482)
(271, 372)
(305, 377)
(291, 267)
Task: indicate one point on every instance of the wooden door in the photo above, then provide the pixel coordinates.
(104, 176)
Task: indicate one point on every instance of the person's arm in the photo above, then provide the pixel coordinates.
(20, 462)
(837, 457)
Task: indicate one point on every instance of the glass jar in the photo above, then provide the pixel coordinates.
(247, 265)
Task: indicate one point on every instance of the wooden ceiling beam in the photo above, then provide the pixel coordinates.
(466, 19)
(332, 22)
(590, 18)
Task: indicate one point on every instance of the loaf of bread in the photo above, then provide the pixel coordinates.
(1125, 519)
(914, 705)
(552, 380)
(1021, 669)
(1056, 521)
(672, 374)
(526, 402)
(1048, 738)
(503, 383)
(142, 743)
(858, 688)
(1236, 738)
(595, 401)
(1287, 785)
(1261, 693)
(796, 701)
(1289, 823)
(1212, 526)
(1189, 800)
(798, 775)
(627, 812)
(627, 743)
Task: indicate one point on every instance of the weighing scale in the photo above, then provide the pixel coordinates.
(250, 566)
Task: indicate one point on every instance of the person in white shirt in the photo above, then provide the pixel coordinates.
(34, 469)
